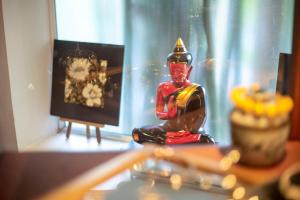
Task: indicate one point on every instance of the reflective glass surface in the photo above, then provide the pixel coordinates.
(233, 42)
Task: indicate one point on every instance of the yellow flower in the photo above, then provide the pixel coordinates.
(259, 108)
(287, 103)
(237, 94)
(260, 103)
(272, 110)
(248, 105)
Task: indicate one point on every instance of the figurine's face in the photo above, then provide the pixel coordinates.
(178, 72)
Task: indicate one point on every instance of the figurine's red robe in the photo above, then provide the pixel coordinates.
(166, 108)
(167, 90)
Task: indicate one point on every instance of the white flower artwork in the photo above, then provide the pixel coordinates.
(84, 80)
(93, 95)
(79, 69)
(68, 89)
(103, 64)
(102, 77)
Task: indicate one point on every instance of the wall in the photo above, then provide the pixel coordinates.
(8, 139)
(29, 55)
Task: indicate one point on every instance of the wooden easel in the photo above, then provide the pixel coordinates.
(88, 131)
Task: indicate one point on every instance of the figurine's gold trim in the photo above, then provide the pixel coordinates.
(184, 95)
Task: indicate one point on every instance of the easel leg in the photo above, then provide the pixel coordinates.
(98, 135)
(69, 130)
(88, 132)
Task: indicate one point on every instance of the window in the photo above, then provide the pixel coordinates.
(232, 42)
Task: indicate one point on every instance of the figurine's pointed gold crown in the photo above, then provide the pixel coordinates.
(179, 42)
(179, 46)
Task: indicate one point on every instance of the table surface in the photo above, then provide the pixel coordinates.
(29, 175)
(252, 175)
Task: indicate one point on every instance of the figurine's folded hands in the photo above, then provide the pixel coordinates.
(171, 107)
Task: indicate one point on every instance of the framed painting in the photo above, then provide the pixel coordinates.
(87, 81)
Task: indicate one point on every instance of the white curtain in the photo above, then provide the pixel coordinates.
(234, 42)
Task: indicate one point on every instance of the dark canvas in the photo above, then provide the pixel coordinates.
(87, 81)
